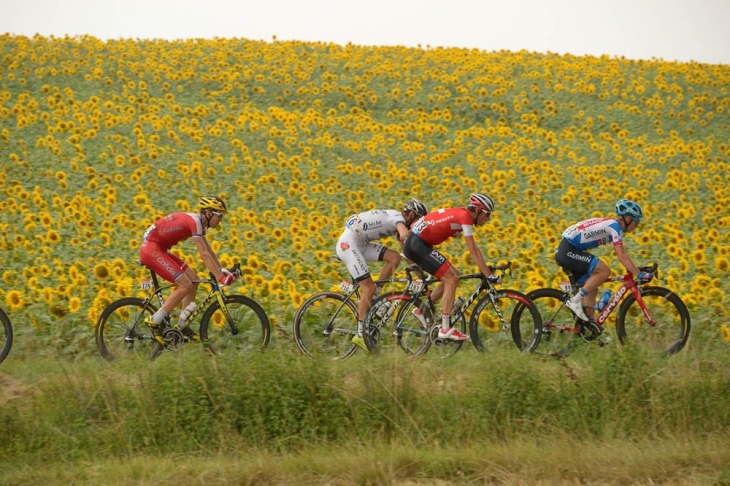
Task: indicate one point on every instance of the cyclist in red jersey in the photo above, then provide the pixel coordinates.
(437, 227)
(155, 253)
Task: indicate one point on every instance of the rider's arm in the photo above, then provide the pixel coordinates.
(477, 256)
(625, 260)
(402, 231)
(208, 256)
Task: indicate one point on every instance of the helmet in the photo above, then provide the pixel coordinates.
(626, 207)
(213, 203)
(416, 206)
(481, 201)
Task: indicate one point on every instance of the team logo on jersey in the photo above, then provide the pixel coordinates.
(344, 246)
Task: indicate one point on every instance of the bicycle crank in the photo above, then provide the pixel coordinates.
(434, 336)
(374, 333)
(590, 331)
(173, 339)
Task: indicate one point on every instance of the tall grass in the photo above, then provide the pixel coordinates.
(439, 415)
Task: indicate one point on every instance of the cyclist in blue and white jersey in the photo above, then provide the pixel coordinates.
(588, 269)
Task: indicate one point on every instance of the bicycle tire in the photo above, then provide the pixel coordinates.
(517, 310)
(325, 310)
(6, 335)
(672, 321)
(409, 333)
(120, 331)
(247, 331)
(553, 340)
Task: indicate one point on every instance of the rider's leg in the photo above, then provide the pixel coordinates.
(450, 279)
(590, 287)
(392, 259)
(367, 289)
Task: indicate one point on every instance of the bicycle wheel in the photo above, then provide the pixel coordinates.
(240, 327)
(510, 308)
(560, 332)
(324, 326)
(391, 323)
(671, 318)
(6, 335)
(121, 331)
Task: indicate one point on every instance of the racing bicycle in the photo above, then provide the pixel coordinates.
(415, 327)
(326, 322)
(651, 317)
(231, 324)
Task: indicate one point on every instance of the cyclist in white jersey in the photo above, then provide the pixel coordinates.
(356, 249)
(588, 269)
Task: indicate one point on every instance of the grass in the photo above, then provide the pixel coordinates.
(603, 416)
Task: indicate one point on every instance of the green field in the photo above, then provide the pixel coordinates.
(606, 416)
(98, 139)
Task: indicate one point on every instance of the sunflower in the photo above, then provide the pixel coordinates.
(14, 300)
(74, 305)
(101, 271)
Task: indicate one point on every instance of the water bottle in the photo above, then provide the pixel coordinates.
(186, 312)
(457, 305)
(603, 300)
(383, 309)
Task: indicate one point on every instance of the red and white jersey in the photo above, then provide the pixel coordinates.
(438, 226)
(174, 228)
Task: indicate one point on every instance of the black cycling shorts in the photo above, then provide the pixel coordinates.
(580, 262)
(425, 256)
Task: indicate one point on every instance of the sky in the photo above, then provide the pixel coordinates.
(672, 30)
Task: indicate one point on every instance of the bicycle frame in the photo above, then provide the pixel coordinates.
(629, 284)
(216, 292)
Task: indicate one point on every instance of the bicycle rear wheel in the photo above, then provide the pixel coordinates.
(671, 318)
(121, 331)
(510, 308)
(560, 333)
(6, 335)
(324, 326)
(239, 328)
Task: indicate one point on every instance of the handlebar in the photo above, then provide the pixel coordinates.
(653, 268)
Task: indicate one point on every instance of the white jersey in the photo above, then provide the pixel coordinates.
(375, 224)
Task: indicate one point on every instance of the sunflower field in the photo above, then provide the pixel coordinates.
(98, 139)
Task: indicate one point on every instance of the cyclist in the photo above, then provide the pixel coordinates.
(437, 227)
(588, 269)
(356, 249)
(155, 253)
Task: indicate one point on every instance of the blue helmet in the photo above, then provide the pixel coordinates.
(626, 207)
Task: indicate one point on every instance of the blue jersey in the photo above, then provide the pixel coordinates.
(594, 232)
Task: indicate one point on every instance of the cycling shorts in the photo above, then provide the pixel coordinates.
(425, 256)
(161, 261)
(356, 253)
(579, 262)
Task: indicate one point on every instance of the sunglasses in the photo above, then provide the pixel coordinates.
(216, 213)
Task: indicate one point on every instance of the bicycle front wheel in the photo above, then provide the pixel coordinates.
(121, 331)
(238, 328)
(6, 335)
(560, 333)
(508, 309)
(670, 330)
(324, 326)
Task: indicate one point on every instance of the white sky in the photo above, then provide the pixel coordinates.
(681, 30)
